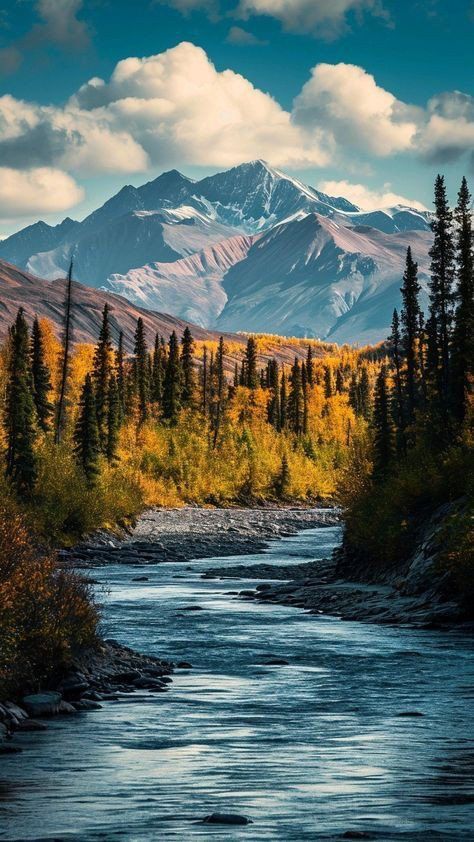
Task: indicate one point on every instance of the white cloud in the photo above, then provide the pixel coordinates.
(180, 109)
(347, 101)
(366, 198)
(326, 18)
(449, 132)
(40, 190)
(243, 38)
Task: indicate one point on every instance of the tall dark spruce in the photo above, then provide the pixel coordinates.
(41, 379)
(410, 334)
(20, 412)
(86, 433)
(188, 370)
(251, 364)
(113, 419)
(172, 386)
(296, 400)
(462, 379)
(101, 373)
(65, 359)
(382, 425)
(399, 402)
(141, 374)
(441, 298)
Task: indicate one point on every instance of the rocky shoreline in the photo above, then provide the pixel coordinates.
(107, 673)
(179, 535)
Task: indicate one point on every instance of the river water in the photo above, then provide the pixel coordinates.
(308, 751)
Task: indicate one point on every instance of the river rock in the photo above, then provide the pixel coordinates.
(42, 704)
(73, 686)
(226, 818)
(86, 704)
(31, 725)
(183, 665)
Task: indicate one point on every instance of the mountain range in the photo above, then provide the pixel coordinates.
(249, 249)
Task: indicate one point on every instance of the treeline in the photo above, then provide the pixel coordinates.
(422, 425)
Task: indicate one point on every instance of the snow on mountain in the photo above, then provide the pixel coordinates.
(249, 248)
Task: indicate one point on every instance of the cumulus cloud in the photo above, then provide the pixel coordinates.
(366, 198)
(347, 101)
(180, 109)
(326, 18)
(39, 190)
(449, 132)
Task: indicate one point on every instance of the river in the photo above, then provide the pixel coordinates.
(308, 751)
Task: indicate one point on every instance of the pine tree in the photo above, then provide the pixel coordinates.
(205, 382)
(86, 433)
(187, 367)
(328, 387)
(410, 332)
(65, 361)
(383, 431)
(173, 381)
(462, 362)
(274, 410)
(310, 366)
(20, 411)
(364, 394)
(101, 373)
(41, 379)
(120, 375)
(283, 479)
(339, 381)
(251, 364)
(113, 419)
(441, 290)
(395, 341)
(218, 405)
(141, 371)
(296, 400)
(158, 371)
(283, 403)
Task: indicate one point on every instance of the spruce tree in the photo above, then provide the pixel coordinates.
(283, 403)
(274, 410)
(41, 378)
(173, 381)
(187, 367)
(328, 387)
(113, 419)
(364, 394)
(120, 377)
(296, 400)
(462, 363)
(86, 433)
(251, 364)
(101, 373)
(310, 366)
(339, 381)
(20, 411)
(205, 382)
(410, 333)
(395, 341)
(382, 425)
(283, 479)
(65, 359)
(141, 371)
(441, 290)
(158, 371)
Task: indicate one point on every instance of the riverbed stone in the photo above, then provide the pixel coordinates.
(42, 704)
(227, 818)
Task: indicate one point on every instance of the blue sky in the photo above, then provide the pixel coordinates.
(368, 98)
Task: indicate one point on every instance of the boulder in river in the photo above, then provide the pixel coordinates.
(226, 818)
(183, 665)
(42, 704)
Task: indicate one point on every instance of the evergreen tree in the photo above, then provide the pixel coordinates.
(113, 419)
(65, 361)
(274, 410)
(354, 394)
(141, 371)
(101, 373)
(364, 394)
(20, 411)
(397, 364)
(463, 334)
(86, 433)
(283, 479)
(328, 387)
(296, 400)
(120, 375)
(339, 381)
(41, 378)
(205, 382)
(310, 366)
(410, 332)
(173, 381)
(441, 290)
(283, 403)
(383, 431)
(187, 366)
(251, 363)
(158, 371)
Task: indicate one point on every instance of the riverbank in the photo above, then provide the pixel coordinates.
(179, 535)
(107, 673)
